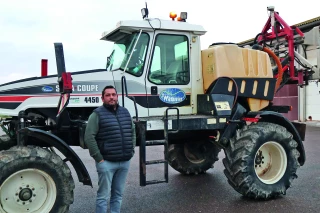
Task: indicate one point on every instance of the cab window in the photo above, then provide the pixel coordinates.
(120, 57)
(170, 60)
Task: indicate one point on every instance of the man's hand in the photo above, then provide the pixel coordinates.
(101, 161)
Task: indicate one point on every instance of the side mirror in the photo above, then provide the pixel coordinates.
(108, 62)
(109, 59)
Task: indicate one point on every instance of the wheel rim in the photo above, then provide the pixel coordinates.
(270, 162)
(193, 157)
(29, 190)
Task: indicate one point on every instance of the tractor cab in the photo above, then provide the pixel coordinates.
(156, 57)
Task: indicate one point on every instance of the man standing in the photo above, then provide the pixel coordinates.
(111, 139)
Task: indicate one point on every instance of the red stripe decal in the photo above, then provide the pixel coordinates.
(14, 98)
(21, 98)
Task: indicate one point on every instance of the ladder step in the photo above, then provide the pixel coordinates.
(155, 162)
(155, 182)
(155, 142)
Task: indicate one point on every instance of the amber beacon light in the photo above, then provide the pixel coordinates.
(182, 17)
(173, 15)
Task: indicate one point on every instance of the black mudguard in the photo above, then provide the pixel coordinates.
(296, 129)
(48, 139)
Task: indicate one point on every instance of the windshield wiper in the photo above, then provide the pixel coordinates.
(133, 48)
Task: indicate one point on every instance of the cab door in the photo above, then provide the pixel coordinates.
(131, 52)
(168, 78)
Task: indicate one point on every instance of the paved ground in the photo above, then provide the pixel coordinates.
(206, 193)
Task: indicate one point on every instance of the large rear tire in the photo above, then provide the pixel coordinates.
(193, 158)
(261, 160)
(34, 180)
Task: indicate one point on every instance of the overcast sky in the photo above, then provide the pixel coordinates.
(30, 27)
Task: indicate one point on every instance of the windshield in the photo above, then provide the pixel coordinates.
(121, 53)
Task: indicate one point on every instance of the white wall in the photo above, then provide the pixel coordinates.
(313, 100)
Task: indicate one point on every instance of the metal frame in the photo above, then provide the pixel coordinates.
(284, 38)
(275, 22)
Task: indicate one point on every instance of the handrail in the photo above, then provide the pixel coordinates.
(124, 88)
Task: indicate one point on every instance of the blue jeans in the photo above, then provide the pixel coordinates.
(112, 178)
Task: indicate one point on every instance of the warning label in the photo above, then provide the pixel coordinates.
(222, 105)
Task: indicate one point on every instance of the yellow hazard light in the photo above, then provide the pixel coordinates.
(173, 15)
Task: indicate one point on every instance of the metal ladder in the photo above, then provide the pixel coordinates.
(142, 155)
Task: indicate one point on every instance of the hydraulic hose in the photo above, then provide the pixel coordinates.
(277, 60)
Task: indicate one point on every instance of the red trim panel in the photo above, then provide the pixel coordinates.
(25, 97)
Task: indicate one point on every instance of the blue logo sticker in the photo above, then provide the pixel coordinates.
(172, 96)
(47, 89)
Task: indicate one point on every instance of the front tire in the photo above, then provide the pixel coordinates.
(261, 160)
(34, 180)
(193, 158)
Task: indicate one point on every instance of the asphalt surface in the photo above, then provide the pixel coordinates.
(203, 193)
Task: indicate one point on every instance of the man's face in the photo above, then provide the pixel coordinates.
(110, 97)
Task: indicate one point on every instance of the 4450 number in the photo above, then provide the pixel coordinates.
(91, 99)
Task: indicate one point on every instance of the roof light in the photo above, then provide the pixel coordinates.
(144, 12)
(173, 15)
(183, 15)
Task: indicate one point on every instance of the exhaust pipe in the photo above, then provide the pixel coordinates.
(44, 67)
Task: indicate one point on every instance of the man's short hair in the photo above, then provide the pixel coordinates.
(108, 87)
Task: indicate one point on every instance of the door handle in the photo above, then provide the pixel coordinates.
(154, 90)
